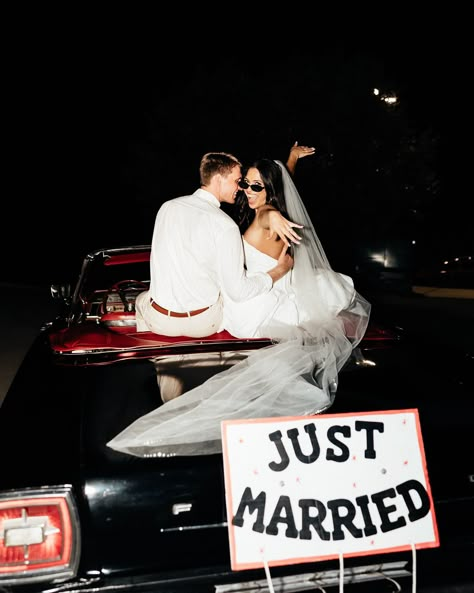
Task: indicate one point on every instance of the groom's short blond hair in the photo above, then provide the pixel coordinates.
(214, 163)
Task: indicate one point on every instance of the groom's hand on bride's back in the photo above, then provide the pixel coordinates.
(284, 265)
(286, 258)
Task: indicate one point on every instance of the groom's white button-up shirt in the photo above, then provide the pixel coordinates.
(197, 253)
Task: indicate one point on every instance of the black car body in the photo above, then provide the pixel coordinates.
(76, 515)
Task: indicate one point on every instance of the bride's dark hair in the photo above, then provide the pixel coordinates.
(273, 182)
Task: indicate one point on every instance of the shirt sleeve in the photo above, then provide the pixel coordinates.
(232, 275)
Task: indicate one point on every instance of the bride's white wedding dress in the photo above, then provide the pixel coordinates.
(281, 308)
(314, 317)
(244, 319)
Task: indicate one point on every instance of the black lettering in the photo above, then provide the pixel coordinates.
(343, 511)
(415, 513)
(384, 511)
(363, 503)
(316, 521)
(283, 504)
(310, 429)
(369, 427)
(275, 437)
(344, 455)
(253, 504)
(335, 507)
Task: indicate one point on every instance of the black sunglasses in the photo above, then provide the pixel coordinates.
(254, 186)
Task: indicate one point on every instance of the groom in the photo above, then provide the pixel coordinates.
(196, 252)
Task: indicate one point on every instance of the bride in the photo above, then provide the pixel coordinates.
(266, 187)
(313, 315)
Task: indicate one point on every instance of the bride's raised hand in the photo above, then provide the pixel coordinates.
(300, 152)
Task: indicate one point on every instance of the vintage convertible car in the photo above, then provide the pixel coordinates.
(76, 515)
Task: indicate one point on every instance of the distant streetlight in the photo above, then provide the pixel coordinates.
(388, 97)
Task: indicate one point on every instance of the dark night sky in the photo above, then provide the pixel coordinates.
(105, 129)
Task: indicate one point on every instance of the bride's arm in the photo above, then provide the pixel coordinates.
(271, 219)
(297, 152)
(275, 223)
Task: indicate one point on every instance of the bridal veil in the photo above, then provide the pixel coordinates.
(296, 375)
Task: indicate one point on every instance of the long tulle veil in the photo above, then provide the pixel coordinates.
(295, 376)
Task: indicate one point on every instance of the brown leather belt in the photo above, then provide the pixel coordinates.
(174, 313)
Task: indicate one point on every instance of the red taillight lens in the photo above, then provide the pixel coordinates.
(39, 535)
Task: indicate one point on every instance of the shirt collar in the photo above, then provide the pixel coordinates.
(203, 194)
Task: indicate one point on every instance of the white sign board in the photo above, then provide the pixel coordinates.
(303, 489)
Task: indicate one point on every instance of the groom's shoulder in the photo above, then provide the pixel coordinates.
(176, 203)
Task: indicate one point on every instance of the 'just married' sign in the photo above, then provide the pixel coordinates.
(309, 488)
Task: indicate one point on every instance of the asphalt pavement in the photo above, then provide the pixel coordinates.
(437, 316)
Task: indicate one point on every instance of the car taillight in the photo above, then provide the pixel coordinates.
(39, 535)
